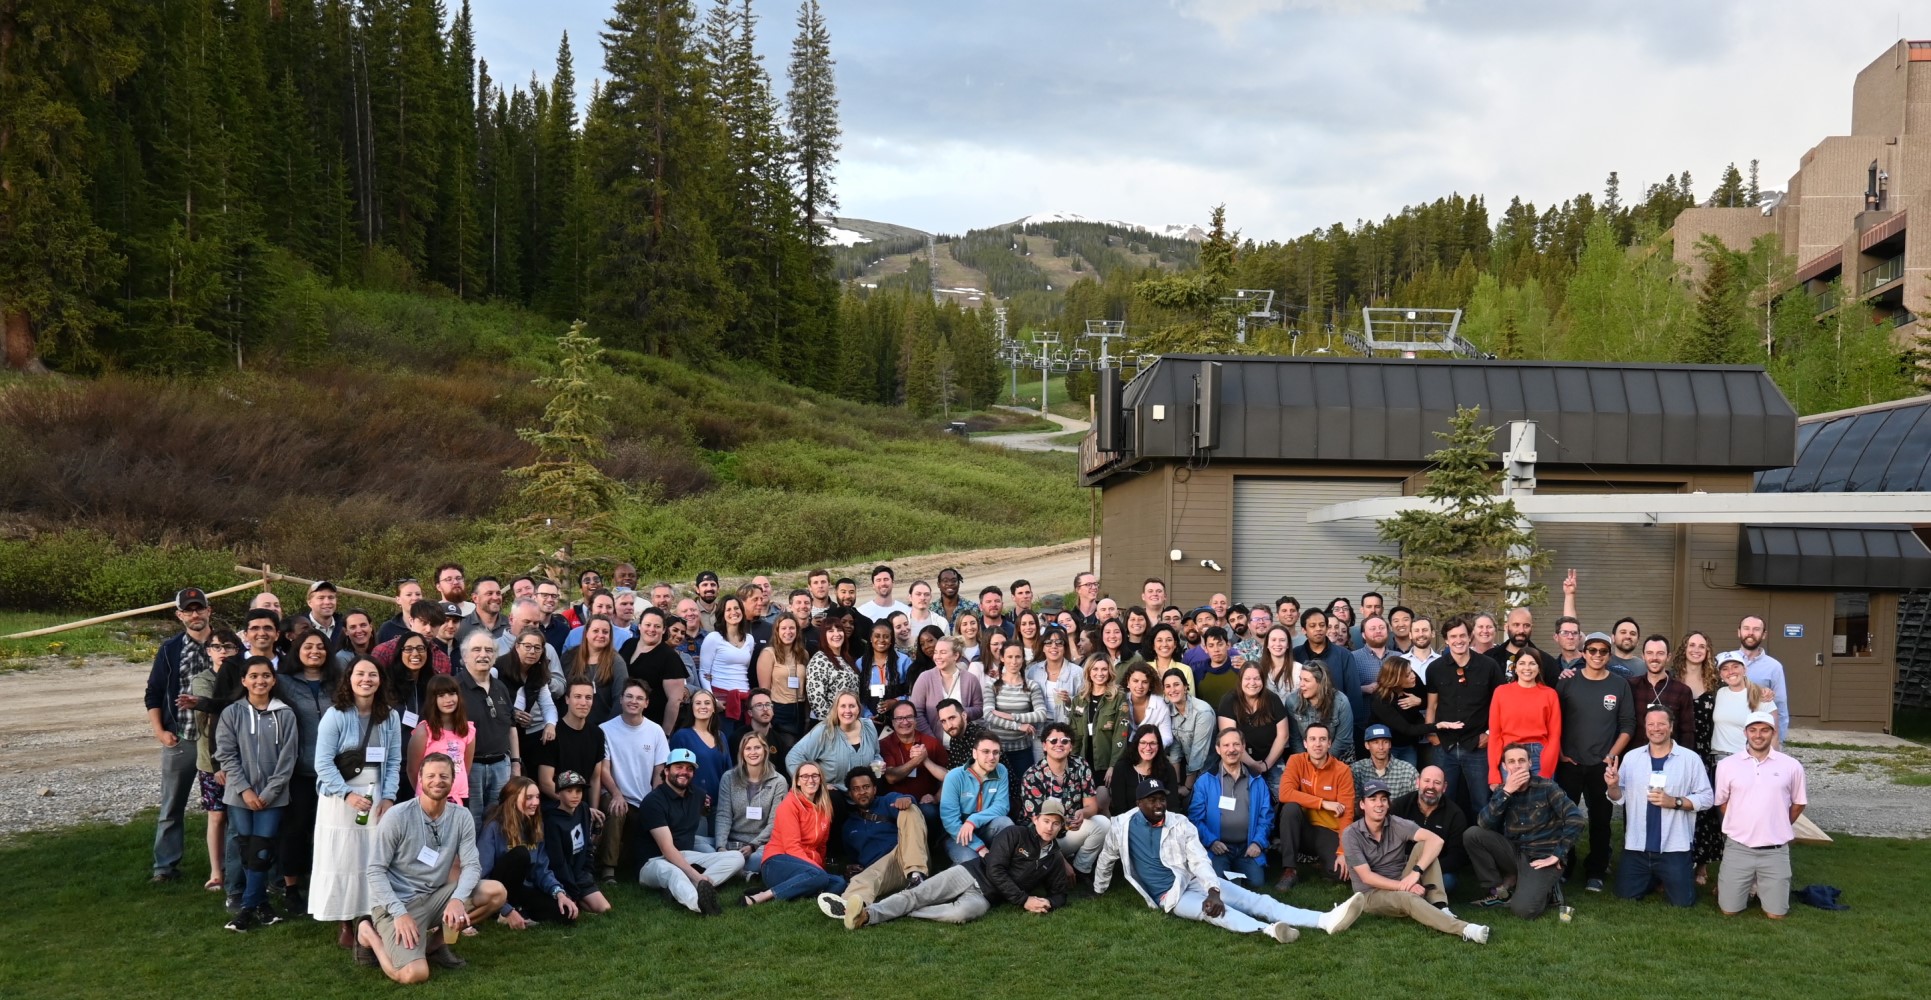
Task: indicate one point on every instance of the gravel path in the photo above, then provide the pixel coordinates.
(1851, 792)
(1038, 441)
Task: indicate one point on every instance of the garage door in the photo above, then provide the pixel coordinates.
(1621, 569)
(1277, 552)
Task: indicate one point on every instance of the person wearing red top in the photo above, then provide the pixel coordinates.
(915, 762)
(1525, 712)
(794, 858)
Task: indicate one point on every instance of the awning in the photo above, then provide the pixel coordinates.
(1832, 557)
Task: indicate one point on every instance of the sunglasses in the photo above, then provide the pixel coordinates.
(1595, 651)
(1059, 741)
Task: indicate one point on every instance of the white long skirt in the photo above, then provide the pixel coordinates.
(339, 880)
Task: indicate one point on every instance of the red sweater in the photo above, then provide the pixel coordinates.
(1524, 715)
(800, 830)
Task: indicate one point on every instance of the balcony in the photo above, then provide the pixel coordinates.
(1881, 275)
(1826, 300)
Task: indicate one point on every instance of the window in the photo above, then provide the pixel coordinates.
(1850, 633)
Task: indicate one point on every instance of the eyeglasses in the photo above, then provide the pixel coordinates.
(414, 651)
(1059, 741)
(224, 647)
(1568, 631)
(530, 646)
(1595, 651)
(408, 580)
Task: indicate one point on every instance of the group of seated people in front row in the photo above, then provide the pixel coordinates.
(1027, 776)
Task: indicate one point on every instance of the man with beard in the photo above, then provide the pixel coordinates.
(1421, 646)
(1526, 828)
(176, 728)
(1568, 647)
(1430, 808)
(1654, 686)
(1519, 627)
(1363, 668)
(992, 614)
(706, 587)
(1371, 604)
(1661, 792)
(487, 611)
(556, 627)
(882, 603)
(1763, 670)
(411, 896)
(451, 588)
(1625, 660)
(1598, 720)
(665, 840)
(818, 585)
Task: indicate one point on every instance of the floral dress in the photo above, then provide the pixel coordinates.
(1708, 845)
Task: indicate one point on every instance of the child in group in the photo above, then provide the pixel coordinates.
(445, 729)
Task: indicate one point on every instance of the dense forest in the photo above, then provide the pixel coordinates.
(180, 178)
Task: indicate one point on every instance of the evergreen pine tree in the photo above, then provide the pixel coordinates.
(1730, 192)
(458, 226)
(1720, 330)
(813, 104)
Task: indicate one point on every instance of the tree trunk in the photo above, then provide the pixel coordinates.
(22, 348)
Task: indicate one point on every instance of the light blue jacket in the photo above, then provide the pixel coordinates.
(341, 730)
(964, 797)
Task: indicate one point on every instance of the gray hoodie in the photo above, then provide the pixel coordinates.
(258, 750)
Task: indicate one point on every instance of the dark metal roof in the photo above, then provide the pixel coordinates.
(1876, 449)
(1386, 410)
(1832, 557)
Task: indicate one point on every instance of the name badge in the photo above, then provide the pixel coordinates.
(1226, 803)
(1656, 780)
(753, 812)
(428, 856)
(375, 754)
(878, 690)
(792, 681)
(410, 719)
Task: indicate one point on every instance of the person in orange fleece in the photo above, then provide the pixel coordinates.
(1317, 803)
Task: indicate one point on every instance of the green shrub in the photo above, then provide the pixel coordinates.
(87, 570)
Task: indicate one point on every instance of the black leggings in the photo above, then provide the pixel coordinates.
(297, 852)
(513, 870)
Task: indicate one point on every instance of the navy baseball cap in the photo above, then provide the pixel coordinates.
(1378, 732)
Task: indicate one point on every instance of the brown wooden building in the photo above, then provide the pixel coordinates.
(1220, 504)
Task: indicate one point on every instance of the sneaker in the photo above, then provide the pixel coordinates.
(1498, 896)
(293, 898)
(1475, 932)
(707, 903)
(243, 922)
(1593, 885)
(266, 915)
(443, 958)
(1283, 932)
(856, 917)
(164, 877)
(831, 905)
(1344, 914)
(914, 880)
(1286, 881)
(365, 956)
(234, 903)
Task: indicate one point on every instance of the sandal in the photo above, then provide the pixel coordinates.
(749, 899)
(213, 884)
(469, 932)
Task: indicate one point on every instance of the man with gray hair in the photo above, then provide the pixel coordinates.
(526, 613)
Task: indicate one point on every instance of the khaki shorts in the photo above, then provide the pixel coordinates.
(427, 912)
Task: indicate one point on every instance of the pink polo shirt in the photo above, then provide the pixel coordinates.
(1758, 796)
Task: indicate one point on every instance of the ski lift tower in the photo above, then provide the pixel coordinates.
(1012, 354)
(1048, 343)
(1250, 304)
(1106, 331)
(1410, 332)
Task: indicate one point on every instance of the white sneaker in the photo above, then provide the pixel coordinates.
(831, 905)
(1344, 914)
(1475, 932)
(1283, 932)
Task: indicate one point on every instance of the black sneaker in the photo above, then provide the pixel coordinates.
(234, 903)
(1497, 896)
(443, 958)
(914, 880)
(707, 903)
(1593, 885)
(165, 877)
(266, 915)
(243, 922)
(293, 898)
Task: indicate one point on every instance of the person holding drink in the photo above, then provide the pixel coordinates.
(358, 767)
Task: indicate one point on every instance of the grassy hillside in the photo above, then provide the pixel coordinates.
(388, 451)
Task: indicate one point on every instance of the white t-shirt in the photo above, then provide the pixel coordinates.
(1727, 720)
(635, 753)
(879, 612)
(725, 667)
(932, 618)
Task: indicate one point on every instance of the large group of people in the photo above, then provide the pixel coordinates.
(493, 753)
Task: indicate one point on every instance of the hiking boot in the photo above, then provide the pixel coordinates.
(831, 905)
(243, 922)
(441, 957)
(707, 903)
(365, 956)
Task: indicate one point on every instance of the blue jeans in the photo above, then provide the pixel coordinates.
(1254, 870)
(255, 829)
(177, 787)
(1640, 870)
(959, 853)
(486, 783)
(1017, 762)
(793, 878)
(1466, 769)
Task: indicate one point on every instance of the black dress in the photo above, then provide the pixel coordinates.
(1708, 845)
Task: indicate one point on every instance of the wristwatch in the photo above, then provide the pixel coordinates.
(1419, 870)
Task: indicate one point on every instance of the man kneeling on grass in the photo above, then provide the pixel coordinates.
(1397, 880)
(1165, 863)
(1022, 866)
(409, 888)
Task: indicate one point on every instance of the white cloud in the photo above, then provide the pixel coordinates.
(1232, 15)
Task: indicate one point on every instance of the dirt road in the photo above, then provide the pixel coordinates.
(1039, 441)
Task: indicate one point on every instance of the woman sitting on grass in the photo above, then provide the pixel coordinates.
(513, 856)
(794, 859)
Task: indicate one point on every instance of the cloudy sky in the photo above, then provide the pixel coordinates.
(1295, 113)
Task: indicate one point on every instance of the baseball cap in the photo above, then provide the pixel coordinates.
(1053, 807)
(1764, 717)
(707, 575)
(321, 585)
(1602, 637)
(1373, 787)
(571, 779)
(1730, 657)
(1052, 602)
(188, 597)
(1149, 787)
(1377, 732)
(451, 609)
(681, 756)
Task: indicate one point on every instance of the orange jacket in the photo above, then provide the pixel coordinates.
(800, 830)
(1307, 786)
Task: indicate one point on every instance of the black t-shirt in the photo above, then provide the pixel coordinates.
(1258, 735)
(1462, 694)
(656, 666)
(1447, 822)
(576, 750)
(663, 807)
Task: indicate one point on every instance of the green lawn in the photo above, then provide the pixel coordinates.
(83, 922)
(132, 637)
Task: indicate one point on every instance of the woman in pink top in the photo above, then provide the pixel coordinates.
(445, 729)
(1525, 712)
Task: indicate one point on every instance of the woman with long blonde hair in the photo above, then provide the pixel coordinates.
(794, 858)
